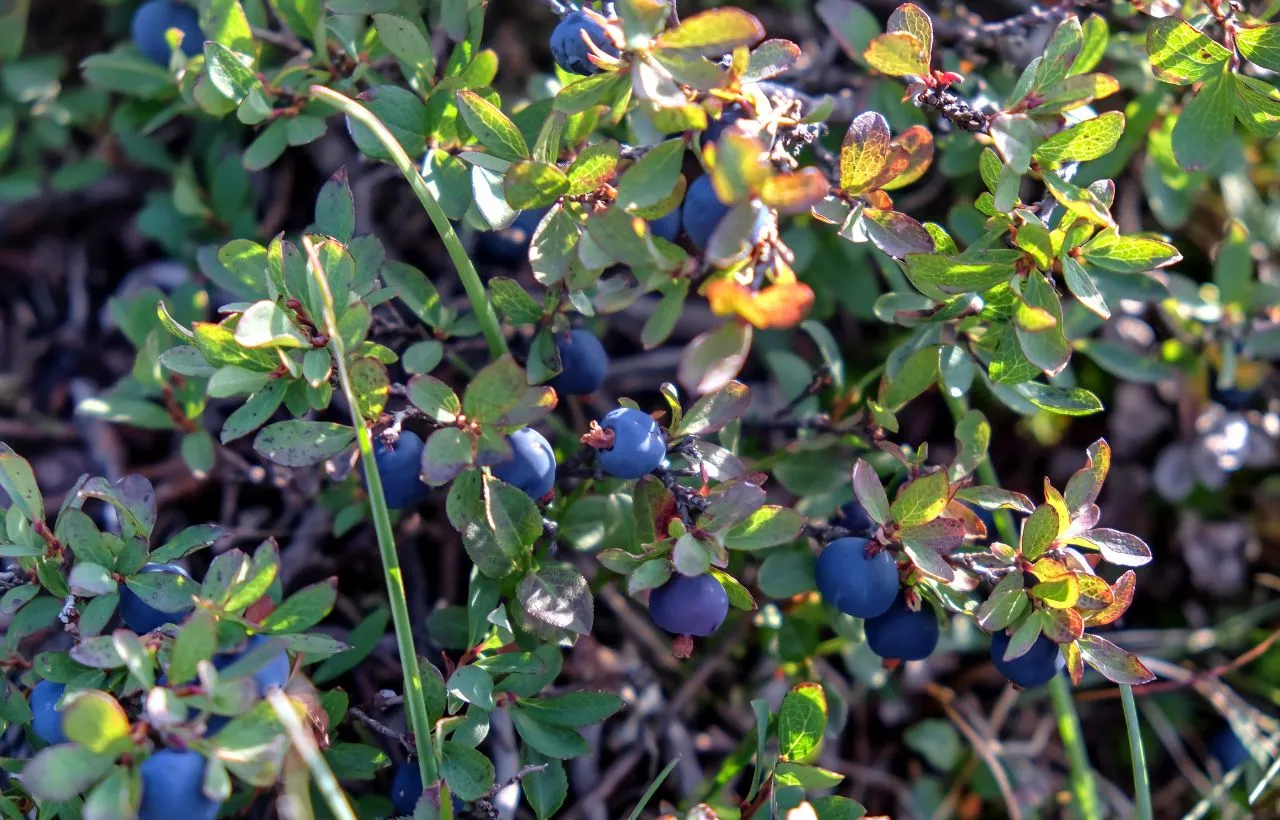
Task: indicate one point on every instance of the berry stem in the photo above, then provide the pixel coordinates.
(480, 303)
(1141, 782)
(415, 698)
(1082, 784)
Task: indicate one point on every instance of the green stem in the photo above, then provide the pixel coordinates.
(1141, 783)
(1086, 795)
(480, 303)
(414, 697)
(305, 743)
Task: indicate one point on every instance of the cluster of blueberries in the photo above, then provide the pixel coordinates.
(860, 580)
(172, 779)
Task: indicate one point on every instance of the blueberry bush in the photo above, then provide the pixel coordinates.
(648, 379)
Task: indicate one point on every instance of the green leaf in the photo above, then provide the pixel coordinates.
(298, 443)
(407, 43)
(1004, 605)
(404, 115)
(594, 167)
(898, 54)
(491, 127)
(1182, 55)
(468, 772)
(1059, 54)
(915, 376)
(18, 481)
(471, 684)
(530, 184)
(864, 152)
(303, 609)
(549, 739)
(574, 709)
(714, 410)
(1257, 105)
(434, 398)
(197, 640)
(495, 391)
(802, 720)
(852, 24)
(513, 302)
(651, 179)
(1044, 345)
(545, 790)
(712, 33)
(961, 274)
(1065, 401)
(921, 500)
(265, 324)
(224, 21)
(838, 808)
(767, 527)
(496, 521)
(372, 387)
(1129, 254)
(230, 72)
(556, 597)
(59, 773)
(336, 208)
(126, 73)
(1040, 531)
(1083, 141)
(96, 721)
(1204, 126)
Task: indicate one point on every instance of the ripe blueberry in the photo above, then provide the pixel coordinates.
(569, 49)
(275, 672)
(667, 227)
(638, 444)
(582, 363)
(1227, 749)
(398, 466)
(406, 789)
(46, 720)
(853, 583)
(1235, 398)
(902, 634)
(702, 211)
(689, 605)
(1037, 666)
(532, 466)
(510, 246)
(153, 19)
(141, 616)
(854, 518)
(172, 786)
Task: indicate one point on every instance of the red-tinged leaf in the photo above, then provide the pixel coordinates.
(1047, 569)
(1121, 597)
(779, 306)
(1115, 664)
(922, 499)
(896, 233)
(729, 503)
(1085, 519)
(870, 492)
(865, 151)
(714, 358)
(1095, 593)
(940, 534)
(1120, 548)
(994, 498)
(1075, 662)
(917, 141)
(713, 411)
(794, 193)
(973, 525)
(913, 20)
(1084, 486)
(1062, 625)
(930, 563)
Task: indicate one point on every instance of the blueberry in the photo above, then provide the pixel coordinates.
(398, 466)
(46, 720)
(702, 211)
(638, 444)
(1227, 749)
(583, 363)
(853, 583)
(689, 605)
(854, 518)
(172, 786)
(153, 19)
(716, 127)
(273, 673)
(1235, 398)
(570, 50)
(901, 634)
(141, 616)
(1036, 667)
(510, 245)
(406, 789)
(667, 227)
(532, 466)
